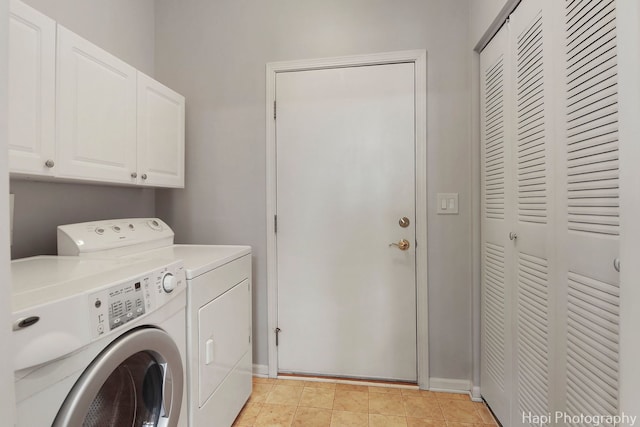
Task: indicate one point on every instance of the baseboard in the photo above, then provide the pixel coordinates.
(349, 381)
(475, 394)
(435, 384)
(260, 370)
(449, 385)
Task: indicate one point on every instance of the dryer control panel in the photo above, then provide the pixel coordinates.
(115, 237)
(127, 301)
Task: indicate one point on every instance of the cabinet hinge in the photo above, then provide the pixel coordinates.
(274, 110)
(275, 223)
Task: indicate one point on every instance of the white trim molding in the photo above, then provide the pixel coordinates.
(498, 21)
(419, 59)
(450, 385)
(476, 396)
(261, 371)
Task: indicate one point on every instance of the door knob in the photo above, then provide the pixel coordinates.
(616, 264)
(513, 236)
(403, 244)
(404, 222)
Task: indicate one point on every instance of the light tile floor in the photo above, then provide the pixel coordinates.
(327, 404)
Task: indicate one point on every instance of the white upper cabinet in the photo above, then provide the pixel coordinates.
(32, 50)
(96, 112)
(76, 112)
(160, 134)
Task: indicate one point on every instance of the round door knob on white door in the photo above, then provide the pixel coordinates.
(168, 282)
(403, 244)
(513, 236)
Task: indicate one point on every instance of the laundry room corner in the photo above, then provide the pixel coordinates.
(319, 213)
(222, 74)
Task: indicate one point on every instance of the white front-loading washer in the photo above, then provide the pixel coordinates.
(98, 342)
(219, 350)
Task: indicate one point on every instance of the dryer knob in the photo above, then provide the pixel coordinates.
(169, 282)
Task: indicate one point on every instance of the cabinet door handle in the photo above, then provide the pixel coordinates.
(616, 264)
(513, 236)
(144, 176)
(134, 174)
(49, 163)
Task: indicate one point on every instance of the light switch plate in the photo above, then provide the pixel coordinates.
(447, 203)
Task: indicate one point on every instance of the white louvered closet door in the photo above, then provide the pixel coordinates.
(589, 226)
(550, 302)
(497, 194)
(533, 313)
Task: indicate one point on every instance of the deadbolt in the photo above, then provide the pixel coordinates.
(404, 222)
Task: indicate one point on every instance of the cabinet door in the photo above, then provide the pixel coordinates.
(96, 120)
(31, 90)
(160, 134)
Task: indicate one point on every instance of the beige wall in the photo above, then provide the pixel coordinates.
(126, 29)
(214, 52)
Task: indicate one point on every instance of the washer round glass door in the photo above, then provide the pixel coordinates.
(136, 381)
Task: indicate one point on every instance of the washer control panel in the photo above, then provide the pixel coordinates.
(127, 301)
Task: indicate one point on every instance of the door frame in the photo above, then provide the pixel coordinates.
(419, 59)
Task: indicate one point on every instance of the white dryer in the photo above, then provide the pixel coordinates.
(98, 342)
(219, 351)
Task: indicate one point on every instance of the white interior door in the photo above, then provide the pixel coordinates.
(345, 177)
(590, 229)
(535, 261)
(496, 373)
